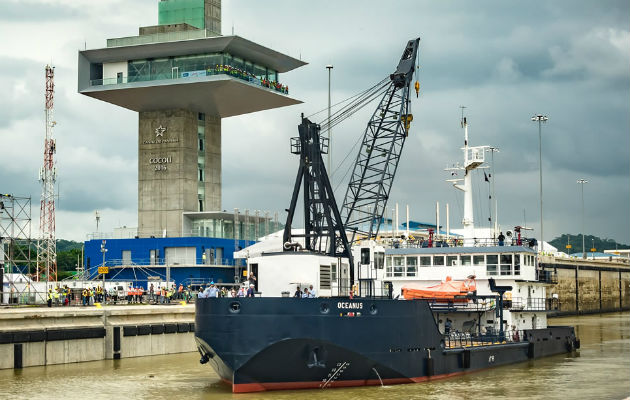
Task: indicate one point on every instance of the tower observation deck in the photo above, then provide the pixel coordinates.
(182, 78)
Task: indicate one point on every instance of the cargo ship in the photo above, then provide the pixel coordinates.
(370, 315)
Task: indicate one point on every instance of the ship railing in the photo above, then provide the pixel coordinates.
(464, 306)
(455, 242)
(457, 339)
(531, 304)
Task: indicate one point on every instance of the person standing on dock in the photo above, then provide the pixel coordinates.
(250, 292)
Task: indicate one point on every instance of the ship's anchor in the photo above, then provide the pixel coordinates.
(334, 374)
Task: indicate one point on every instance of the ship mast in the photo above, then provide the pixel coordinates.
(473, 159)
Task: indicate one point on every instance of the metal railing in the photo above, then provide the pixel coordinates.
(455, 242)
(458, 339)
(209, 71)
(481, 305)
(170, 262)
(531, 304)
(75, 298)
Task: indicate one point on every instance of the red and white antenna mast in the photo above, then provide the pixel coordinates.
(47, 245)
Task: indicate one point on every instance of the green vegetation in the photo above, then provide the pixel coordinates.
(589, 240)
(68, 254)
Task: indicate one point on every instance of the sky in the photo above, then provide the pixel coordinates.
(503, 61)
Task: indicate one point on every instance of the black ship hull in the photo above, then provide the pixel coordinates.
(259, 344)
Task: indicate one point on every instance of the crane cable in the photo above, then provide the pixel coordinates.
(352, 108)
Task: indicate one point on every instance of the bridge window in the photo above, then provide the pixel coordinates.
(506, 264)
(399, 265)
(491, 266)
(412, 266)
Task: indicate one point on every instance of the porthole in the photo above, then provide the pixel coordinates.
(235, 307)
(324, 309)
(373, 309)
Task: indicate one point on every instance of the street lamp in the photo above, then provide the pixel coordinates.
(540, 118)
(329, 67)
(103, 250)
(582, 182)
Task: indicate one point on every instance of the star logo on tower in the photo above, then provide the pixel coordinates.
(159, 131)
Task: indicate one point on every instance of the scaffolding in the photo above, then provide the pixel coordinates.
(15, 239)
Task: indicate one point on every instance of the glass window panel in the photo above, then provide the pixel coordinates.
(161, 69)
(425, 261)
(438, 260)
(491, 266)
(479, 260)
(465, 260)
(412, 264)
(399, 265)
(379, 260)
(451, 260)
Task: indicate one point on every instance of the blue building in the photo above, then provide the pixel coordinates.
(186, 260)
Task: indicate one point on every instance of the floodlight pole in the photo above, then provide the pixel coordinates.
(540, 118)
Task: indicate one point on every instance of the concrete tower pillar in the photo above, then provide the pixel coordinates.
(179, 169)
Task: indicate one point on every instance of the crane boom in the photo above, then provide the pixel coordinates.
(324, 229)
(376, 164)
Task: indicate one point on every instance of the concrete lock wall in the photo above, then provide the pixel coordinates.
(586, 286)
(47, 336)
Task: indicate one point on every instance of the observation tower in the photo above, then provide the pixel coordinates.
(182, 77)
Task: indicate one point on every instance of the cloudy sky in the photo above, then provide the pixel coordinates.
(504, 61)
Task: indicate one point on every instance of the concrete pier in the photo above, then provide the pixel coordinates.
(46, 336)
(589, 286)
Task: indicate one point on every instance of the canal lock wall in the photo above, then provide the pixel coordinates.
(48, 336)
(588, 286)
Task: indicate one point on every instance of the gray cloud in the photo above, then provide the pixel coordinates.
(36, 11)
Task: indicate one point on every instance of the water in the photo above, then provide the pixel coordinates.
(600, 371)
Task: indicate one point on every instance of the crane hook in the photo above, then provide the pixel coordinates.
(417, 86)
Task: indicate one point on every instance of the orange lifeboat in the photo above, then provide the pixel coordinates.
(449, 290)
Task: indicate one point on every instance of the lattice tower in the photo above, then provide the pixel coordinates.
(47, 246)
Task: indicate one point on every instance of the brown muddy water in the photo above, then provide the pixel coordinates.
(600, 370)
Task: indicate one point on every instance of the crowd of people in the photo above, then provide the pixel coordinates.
(158, 294)
(247, 76)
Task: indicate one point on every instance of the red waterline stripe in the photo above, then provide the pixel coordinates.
(262, 386)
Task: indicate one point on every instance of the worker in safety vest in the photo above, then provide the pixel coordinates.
(84, 296)
(49, 298)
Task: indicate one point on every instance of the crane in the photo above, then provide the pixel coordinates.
(325, 227)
